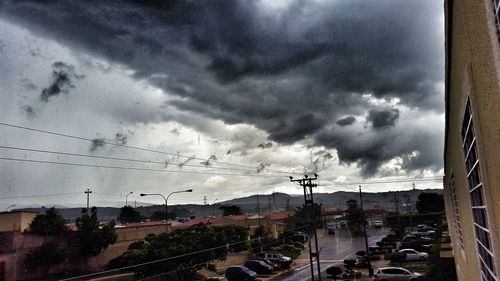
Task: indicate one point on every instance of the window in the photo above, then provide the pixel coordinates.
(457, 225)
(496, 11)
(479, 214)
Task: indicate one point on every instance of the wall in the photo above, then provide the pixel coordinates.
(473, 68)
(15, 221)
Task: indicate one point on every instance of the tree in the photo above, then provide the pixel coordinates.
(45, 256)
(301, 220)
(356, 218)
(129, 214)
(334, 272)
(430, 202)
(50, 223)
(181, 242)
(92, 238)
(172, 214)
(231, 210)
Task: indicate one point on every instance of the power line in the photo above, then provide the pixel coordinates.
(38, 195)
(127, 146)
(156, 261)
(117, 158)
(131, 168)
(387, 181)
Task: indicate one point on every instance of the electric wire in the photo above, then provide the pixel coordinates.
(156, 261)
(129, 146)
(120, 159)
(132, 168)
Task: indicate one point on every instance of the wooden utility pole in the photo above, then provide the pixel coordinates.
(88, 191)
(307, 184)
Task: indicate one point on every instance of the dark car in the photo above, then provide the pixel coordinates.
(260, 267)
(284, 261)
(274, 264)
(239, 273)
(331, 230)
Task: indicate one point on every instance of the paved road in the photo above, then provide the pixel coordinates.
(333, 250)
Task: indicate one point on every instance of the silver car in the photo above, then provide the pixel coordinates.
(396, 274)
(412, 255)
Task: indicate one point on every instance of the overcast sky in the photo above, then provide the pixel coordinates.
(350, 90)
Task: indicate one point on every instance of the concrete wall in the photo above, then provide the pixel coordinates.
(15, 221)
(473, 69)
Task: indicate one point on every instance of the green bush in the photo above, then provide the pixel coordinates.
(212, 267)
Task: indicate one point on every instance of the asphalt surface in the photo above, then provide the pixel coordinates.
(333, 250)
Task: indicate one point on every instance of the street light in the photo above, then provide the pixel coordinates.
(166, 201)
(13, 205)
(126, 198)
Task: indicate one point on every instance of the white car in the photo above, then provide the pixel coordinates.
(412, 255)
(396, 274)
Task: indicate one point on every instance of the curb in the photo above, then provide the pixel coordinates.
(294, 267)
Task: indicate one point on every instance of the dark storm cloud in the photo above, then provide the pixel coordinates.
(120, 139)
(265, 145)
(61, 81)
(29, 110)
(97, 144)
(288, 74)
(346, 121)
(384, 118)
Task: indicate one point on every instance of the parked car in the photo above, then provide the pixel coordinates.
(378, 224)
(274, 264)
(423, 232)
(239, 273)
(412, 255)
(284, 261)
(413, 237)
(331, 230)
(260, 267)
(396, 274)
(300, 236)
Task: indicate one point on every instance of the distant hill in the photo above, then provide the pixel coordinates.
(268, 203)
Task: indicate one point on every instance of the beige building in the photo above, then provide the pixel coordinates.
(472, 141)
(16, 220)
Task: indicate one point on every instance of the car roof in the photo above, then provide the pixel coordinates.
(392, 267)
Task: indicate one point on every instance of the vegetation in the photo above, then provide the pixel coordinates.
(92, 238)
(194, 239)
(231, 210)
(50, 223)
(172, 214)
(356, 219)
(45, 256)
(129, 214)
(301, 219)
(429, 202)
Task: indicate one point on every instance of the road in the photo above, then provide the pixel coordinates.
(333, 250)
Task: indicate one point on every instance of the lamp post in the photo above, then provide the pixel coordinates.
(13, 205)
(126, 198)
(213, 204)
(166, 202)
(370, 269)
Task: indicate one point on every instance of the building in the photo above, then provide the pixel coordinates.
(16, 220)
(472, 136)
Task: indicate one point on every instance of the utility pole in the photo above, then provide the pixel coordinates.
(288, 204)
(88, 191)
(204, 200)
(370, 269)
(307, 182)
(269, 204)
(396, 200)
(258, 208)
(408, 209)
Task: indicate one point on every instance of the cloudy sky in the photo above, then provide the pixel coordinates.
(226, 97)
